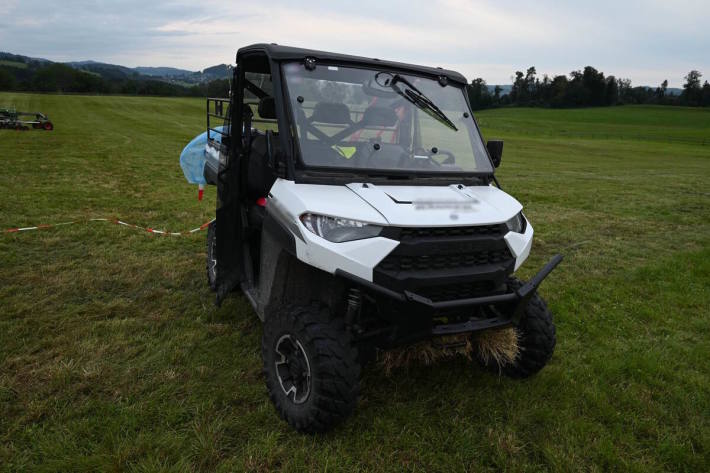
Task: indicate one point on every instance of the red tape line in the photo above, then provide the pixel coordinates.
(114, 221)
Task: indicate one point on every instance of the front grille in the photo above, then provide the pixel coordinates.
(396, 262)
(446, 263)
(451, 232)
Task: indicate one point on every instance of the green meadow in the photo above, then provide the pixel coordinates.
(113, 356)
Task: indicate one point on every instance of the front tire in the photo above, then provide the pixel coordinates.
(536, 339)
(311, 367)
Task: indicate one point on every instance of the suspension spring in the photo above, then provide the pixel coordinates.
(354, 305)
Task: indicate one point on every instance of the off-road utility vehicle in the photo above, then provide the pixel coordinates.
(358, 210)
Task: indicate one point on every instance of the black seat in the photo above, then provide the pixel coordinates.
(260, 177)
(379, 116)
(332, 113)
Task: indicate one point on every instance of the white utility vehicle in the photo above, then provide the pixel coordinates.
(358, 210)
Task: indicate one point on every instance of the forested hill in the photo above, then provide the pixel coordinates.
(22, 73)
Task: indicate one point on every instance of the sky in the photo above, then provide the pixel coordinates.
(646, 41)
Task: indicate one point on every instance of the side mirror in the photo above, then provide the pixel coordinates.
(495, 150)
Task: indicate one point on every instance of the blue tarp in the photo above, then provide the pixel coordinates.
(194, 157)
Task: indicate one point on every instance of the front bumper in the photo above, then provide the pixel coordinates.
(515, 302)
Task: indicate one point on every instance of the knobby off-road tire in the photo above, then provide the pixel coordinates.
(212, 255)
(536, 339)
(331, 362)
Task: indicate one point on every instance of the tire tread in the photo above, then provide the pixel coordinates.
(335, 368)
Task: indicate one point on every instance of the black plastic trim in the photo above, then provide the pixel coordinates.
(472, 325)
(330, 176)
(280, 234)
(210, 173)
(370, 285)
(287, 53)
(520, 296)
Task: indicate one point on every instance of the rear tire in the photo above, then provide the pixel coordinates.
(311, 367)
(536, 339)
(212, 255)
(48, 126)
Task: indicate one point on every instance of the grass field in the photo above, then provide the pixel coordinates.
(19, 65)
(113, 357)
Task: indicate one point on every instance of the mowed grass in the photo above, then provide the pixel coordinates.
(19, 65)
(113, 357)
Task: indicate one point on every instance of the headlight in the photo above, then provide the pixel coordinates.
(517, 224)
(337, 229)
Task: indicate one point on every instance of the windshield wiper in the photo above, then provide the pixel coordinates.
(418, 98)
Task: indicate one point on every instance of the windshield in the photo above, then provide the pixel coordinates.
(381, 120)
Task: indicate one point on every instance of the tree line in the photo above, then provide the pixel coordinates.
(57, 77)
(586, 88)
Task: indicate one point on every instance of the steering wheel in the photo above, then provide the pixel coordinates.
(450, 158)
(419, 152)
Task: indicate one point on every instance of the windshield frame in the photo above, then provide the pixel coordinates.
(304, 172)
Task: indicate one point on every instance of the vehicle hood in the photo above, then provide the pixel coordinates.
(407, 206)
(454, 205)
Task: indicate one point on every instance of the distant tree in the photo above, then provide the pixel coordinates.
(543, 90)
(661, 91)
(7, 80)
(558, 91)
(611, 91)
(692, 80)
(478, 94)
(640, 95)
(496, 93)
(705, 98)
(517, 91)
(219, 88)
(594, 86)
(530, 85)
(624, 88)
(692, 92)
(53, 78)
(577, 94)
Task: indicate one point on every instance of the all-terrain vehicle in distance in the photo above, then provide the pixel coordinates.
(358, 210)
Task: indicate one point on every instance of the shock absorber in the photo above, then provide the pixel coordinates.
(354, 305)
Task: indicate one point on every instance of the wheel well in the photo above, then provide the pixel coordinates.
(285, 280)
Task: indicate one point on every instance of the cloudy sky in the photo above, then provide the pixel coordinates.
(647, 41)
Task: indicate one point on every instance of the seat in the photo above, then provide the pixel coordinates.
(379, 116)
(332, 113)
(260, 177)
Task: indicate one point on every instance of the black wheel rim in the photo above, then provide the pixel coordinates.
(293, 369)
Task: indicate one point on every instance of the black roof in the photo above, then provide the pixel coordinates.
(288, 53)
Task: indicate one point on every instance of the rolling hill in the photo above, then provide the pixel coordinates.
(118, 72)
